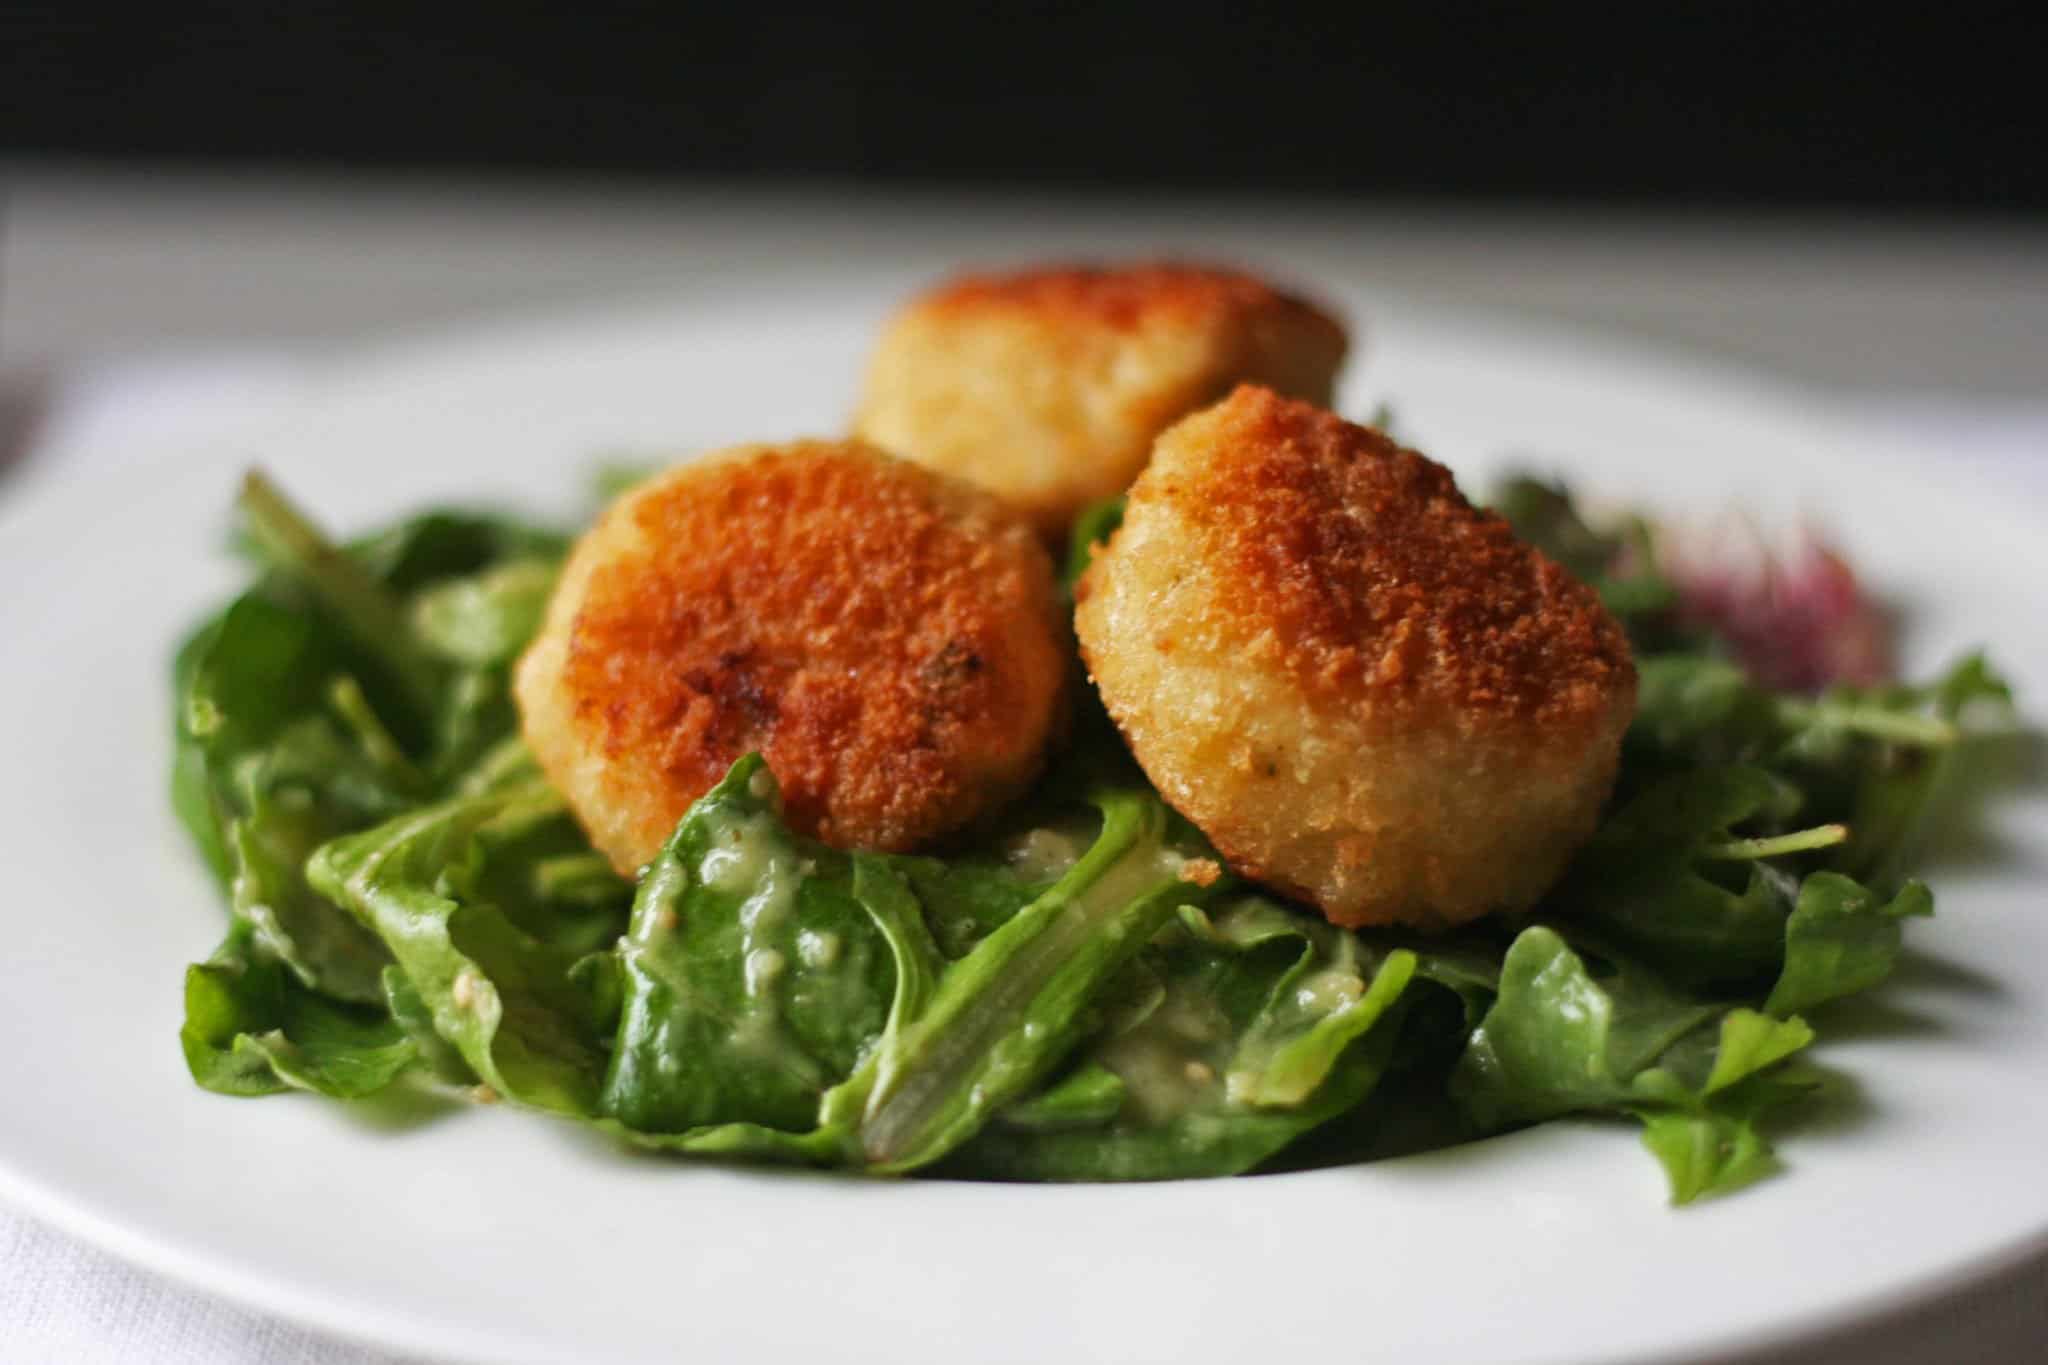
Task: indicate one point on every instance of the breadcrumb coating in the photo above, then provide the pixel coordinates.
(1364, 690)
(1047, 386)
(889, 638)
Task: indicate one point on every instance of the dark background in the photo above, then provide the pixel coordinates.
(1788, 104)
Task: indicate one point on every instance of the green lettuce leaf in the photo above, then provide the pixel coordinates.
(267, 771)
(1647, 879)
(504, 998)
(252, 1028)
(1841, 939)
(1874, 760)
(1267, 1023)
(484, 619)
(1000, 1019)
(1561, 1040)
(1719, 1148)
(754, 976)
(865, 1042)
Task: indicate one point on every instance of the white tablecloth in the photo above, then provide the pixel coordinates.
(63, 1302)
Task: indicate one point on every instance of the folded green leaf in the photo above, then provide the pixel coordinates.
(754, 976)
(1657, 881)
(1088, 1097)
(251, 1028)
(327, 950)
(1557, 1041)
(1270, 1024)
(363, 608)
(1003, 1016)
(1705, 1152)
(1560, 1041)
(485, 619)
(501, 996)
(1841, 939)
(412, 1014)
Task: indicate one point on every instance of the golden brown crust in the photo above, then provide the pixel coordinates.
(888, 639)
(1364, 691)
(1048, 386)
(1370, 568)
(1126, 297)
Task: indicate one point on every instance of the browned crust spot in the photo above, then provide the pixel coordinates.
(1375, 576)
(883, 635)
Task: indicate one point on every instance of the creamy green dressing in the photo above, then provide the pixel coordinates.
(817, 949)
(1044, 855)
(1329, 990)
(754, 859)
(1168, 1062)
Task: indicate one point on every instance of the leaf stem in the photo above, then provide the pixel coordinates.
(1002, 1016)
(345, 695)
(1799, 841)
(1901, 726)
(369, 613)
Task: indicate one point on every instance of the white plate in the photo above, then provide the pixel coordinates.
(500, 1235)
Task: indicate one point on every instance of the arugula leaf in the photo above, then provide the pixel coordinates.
(412, 1014)
(484, 619)
(1885, 760)
(1647, 880)
(1871, 759)
(1269, 1024)
(1003, 1016)
(504, 998)
(421, 551)
(359, 606)
(754, 974)
(1706, 1132)
(326, 950)
(1841, 939)
(1558, 1040)
(265, 773)
(968, 896)
(1715, 1150)
(251, 1028)
(1694, 710)
(1087, 1097)
(1312, 1012)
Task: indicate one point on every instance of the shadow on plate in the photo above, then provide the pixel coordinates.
(1983, 768)
(1990, 1314)
(403, 1108)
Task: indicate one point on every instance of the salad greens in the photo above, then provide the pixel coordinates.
(1077, 994)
